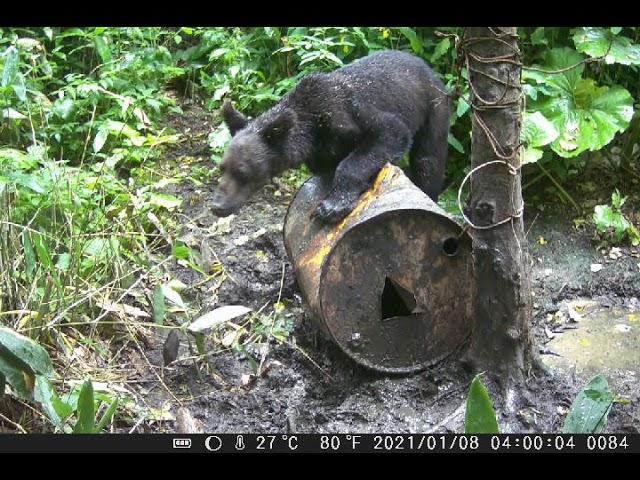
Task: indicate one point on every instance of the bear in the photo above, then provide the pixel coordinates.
(347, 124)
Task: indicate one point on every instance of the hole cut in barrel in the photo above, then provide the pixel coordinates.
(396, 301)
(450, 246)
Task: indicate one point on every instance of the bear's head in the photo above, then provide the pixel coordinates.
(253, 157)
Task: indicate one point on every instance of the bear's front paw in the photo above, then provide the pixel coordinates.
(331, 212)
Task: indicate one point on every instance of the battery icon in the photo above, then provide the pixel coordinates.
(181, 443)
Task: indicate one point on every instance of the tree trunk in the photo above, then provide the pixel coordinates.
(501, 343)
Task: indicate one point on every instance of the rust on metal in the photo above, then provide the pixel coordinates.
(392, 283)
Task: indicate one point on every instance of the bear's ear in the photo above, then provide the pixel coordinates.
(233, 118)
(278, 126)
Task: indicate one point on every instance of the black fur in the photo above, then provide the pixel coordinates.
(349, 122)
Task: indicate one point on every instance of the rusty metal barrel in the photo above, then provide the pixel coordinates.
(392, 283)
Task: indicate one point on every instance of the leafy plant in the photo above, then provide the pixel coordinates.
(23, 363)
(86, 422)
(479, 415)
(536, 132)
(612, 224)
(587, 116)
(590, 409)
(80, 404)
(607, 42)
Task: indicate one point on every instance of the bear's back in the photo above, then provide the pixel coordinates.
(392, 81)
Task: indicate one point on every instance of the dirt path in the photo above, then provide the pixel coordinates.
(311, 387)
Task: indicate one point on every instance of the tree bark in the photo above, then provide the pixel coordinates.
(501, 343)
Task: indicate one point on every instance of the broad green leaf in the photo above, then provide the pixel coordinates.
(103, 49)
(463, 106)
(63, 108)
(19, 88)
(56, 409)
(634, 235)
(100, 250)
(592, 125)
(536, 132)
(586, 116)
(441, 48)
(39, 152)
(120, 128)
(217, 317)
(86, 410)
(26, 351)
(12, 114)
(589, 411)
(165, 200)
(26, 180)
(181, 252)
(617, 199)
(111, 410)
(101, 137)
(29, 255)
(605, 218)
(479, 416)
(538, 37)
(63, 262)
(18, 159)
(16, 375)
(95, 247)
(42, 249)
(173, 296)
(559, 59)
(219, 138)
(416, 43)
(602, 216)
(11, 58)
(158, 306)
(597, 42)
(221, 92)
(113, 160)
(218, 52)
(48, 31)
(453, 141)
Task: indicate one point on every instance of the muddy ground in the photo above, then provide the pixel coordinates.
(310, 386)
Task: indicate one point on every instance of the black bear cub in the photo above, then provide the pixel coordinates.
(349, 123)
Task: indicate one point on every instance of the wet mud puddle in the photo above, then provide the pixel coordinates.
(596, 338)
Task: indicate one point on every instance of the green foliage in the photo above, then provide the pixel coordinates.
(587, 116)
(588, 412)
(22, 361)
(607, 42)
(590, 409)
(611, 223)
(78, 408)
(536, 132)
(26, 368)
(479, 414)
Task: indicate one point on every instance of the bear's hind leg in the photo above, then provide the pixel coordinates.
(428, 155)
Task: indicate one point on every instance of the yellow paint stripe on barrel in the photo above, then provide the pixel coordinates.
(316, 256)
